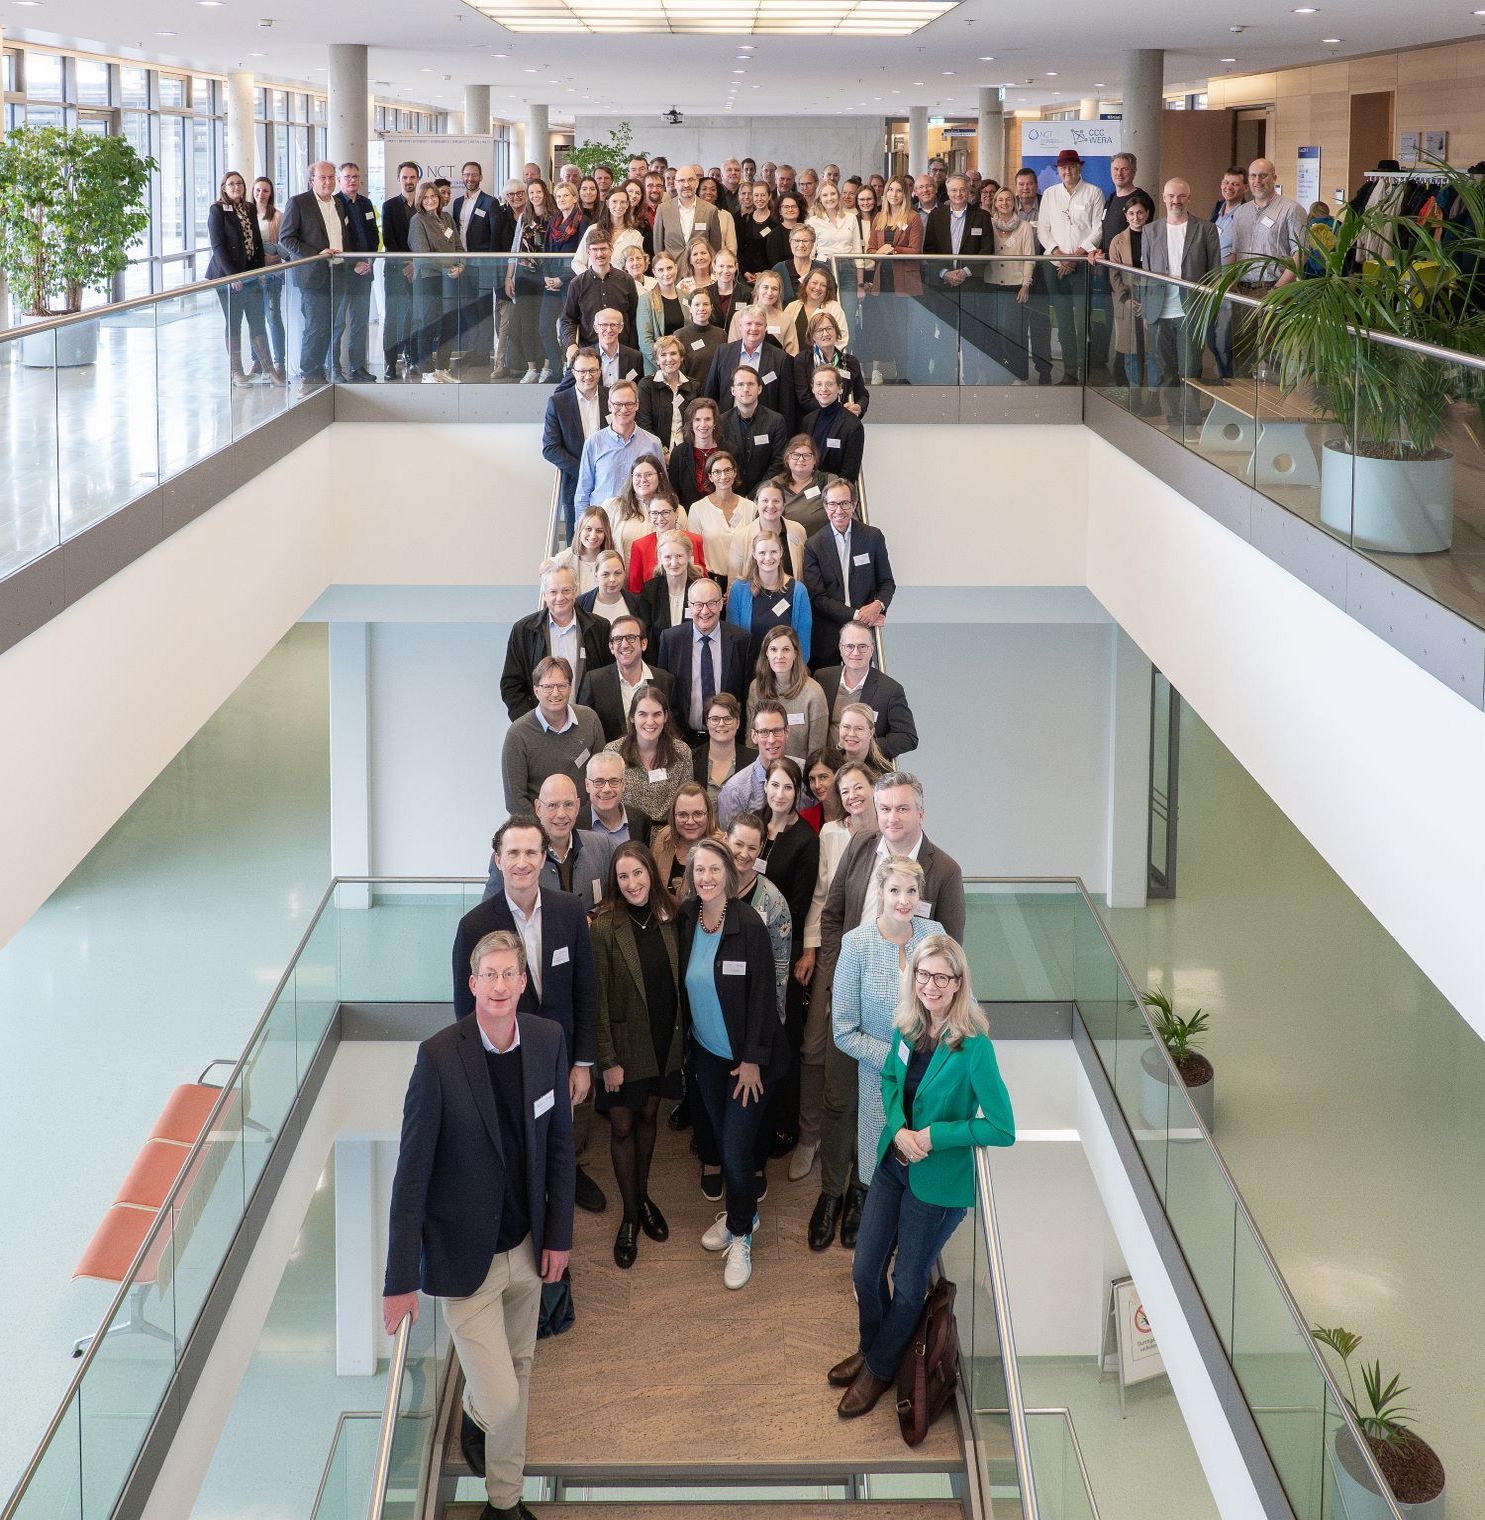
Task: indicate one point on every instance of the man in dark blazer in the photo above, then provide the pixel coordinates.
(603, 689)
(481, 1212)
(353, 281)
(828, 1077)
(1176, 339)
(397, 321)
(703, 636)
(533, 638)
(757, 351)
(304, 236)
(839, 434)
(860, 594)
(855, 679)
(485, 226)
(569, 423)
(562, 980)
(603, 810)
(752, 433)
(953, 228)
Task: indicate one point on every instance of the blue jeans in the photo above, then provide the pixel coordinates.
(1132, 368)
(894, 1218)
(737, 1129)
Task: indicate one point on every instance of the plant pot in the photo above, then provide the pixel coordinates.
(61, 348)
(1155, 1080)
(1356, 1494)
(1397, 506)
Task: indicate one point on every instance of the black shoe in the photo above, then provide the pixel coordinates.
(362, 377)
(472, 1444)
(516, 1511)
(823, 1222)
(850, 1224)
(760, 1184)
(587, 1194)
(626, 1243)
(782, 1145)
(652, 1221)
(680, 1115)
(711, 1185)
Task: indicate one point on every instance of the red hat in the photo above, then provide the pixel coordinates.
(1069, 156)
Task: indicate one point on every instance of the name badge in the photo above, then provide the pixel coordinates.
(1267, 221)
(811, 491)
(597, 891)
(761, 866)
(774, 331)
(764, 231)
(734, 968)
(976, 231)
(768, 379)
(760, 438)
(657, 774)
(796, 720)
(923, 909)
(581, 760)
(781, 606)
(698, 227)
(479, 210)
(861, 559)
(448, 232)
(560, 956)
(832, 443)
(370, 216)
(876, 717)
(698, 343)
(902, 1054)
(543, 1103)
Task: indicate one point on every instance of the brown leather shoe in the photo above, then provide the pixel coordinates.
(843, 1374)
(861, 1397)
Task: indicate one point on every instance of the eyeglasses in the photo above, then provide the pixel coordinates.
(702, 606)
(552, 688)
(725, 718)
(625, 638)
(607, 783)
(940, 979)
(510, 974)
(768, 733)
(622, 406)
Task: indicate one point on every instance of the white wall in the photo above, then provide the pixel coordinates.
(856, 143)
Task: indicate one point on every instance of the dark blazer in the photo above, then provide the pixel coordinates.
(750, 999)
(853, 382)
(449, 1187)
(588, 599)
(301, 235)
(623, 1013)
(657, 403)
(562, 434)
(361, 235)
(569, 995)
(832, 603)
(396, 214)
(229, 253)
(793, 865)
(756, 462)
(675, 656)
(776, 371)
(841, 444)
(896, 731)
(631, 363)
(1201, 253)
(600, 691)
(654, 601)
(979, 237)
(639, 825)
(681, 467)
(491, 226)
(700, 344)
(527, 647)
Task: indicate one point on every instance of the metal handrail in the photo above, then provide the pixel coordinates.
(382, 1468)
(1176, 1084)
(549, 549)
(1020, 1437)
(1077, 1445)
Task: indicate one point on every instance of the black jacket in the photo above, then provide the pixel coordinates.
(361, 235)
(527, 647)
(848, 367)
(832, 603)
(600, 691)
(301, 235)
(229, 253)
(675, 656)
(840, 438)
(657, 403)
(587, 295)
(640, 826)
(562, 434)
(793, 866)
(896, 731)
(588, 599)
(746, 987)
(756, 462)
(449, 1186)
(396, 214)
(979, 237)
(775, 373)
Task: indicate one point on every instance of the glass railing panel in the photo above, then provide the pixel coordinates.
(346, 1485)
(270, 1081)
(1142, 1082)
(191, 360)
(258, 394)
(30, 510)
(417, 1413)
(1062, 1491)
(1021, 940)
(1203, 1216)
(54, 1491)
(397, 948)
(1097, 987)
(903, 320)
(316, 983)
(208, 1209)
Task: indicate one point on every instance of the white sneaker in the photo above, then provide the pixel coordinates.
(446, 377)
(718, 1237)
(529, 378)
(802, 1161)
(876, 374)
(430, 377)
(739, 1266)
(545, 377)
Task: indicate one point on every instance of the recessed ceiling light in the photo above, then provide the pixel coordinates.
(917, 84)
(987, 57)
(1051, 73)
(948, 73)
(528, 71)
(1100, 87)
(210, 5)
(1306, 10)
(164, 34)
(1229, 60)
(1332, 39)
(257, 55)
(739, 71)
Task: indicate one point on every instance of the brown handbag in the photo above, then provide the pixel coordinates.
(929, 1370)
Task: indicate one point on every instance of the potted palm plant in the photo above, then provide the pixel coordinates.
(1408, 1464)
(1180, 1034)
(1387, 481)
(71, 204)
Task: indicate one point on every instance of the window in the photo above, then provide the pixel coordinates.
(92, 82)
(12, 69)
(134, 86)
(203, 179)
(43, 76)
(171, 216)
(203, 94)
(172, 90)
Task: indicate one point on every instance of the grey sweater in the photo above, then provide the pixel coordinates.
(531, 754)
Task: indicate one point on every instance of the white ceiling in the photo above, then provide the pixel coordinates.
(428, 51)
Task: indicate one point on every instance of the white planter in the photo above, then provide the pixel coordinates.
(62, 347)
(1357, 1500)
(1397, 506)
(1155, 1093)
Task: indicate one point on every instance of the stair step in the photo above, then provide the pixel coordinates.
(824, 1509)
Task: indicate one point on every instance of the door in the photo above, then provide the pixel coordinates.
(1371, 132)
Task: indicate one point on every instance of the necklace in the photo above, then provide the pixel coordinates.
(713, 928)
(641, 923)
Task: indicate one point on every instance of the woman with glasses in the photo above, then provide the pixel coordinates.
(803, 483)
(765, 596)
(629, 511)
(856, 735)
(770, 522)
(942, 1095)
(237, 248)
(718, 758)
(692, 818)
(817, 293)
(719, 515)
(656, 762)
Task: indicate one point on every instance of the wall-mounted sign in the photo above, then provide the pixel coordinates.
(1307, 177)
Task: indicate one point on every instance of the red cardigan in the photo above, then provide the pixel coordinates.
(643, 558)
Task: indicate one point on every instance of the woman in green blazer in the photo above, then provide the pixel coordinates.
(641, 1038)
(942, 1095)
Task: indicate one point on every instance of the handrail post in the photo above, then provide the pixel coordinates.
(382, 1468)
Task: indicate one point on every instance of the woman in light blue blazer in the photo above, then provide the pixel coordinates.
(868, 988)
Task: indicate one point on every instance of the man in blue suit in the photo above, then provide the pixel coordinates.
(705, 656)
(846, 572)
(485, 226)
(562, 981)
(353, 281)
(575, 411)
(481, 1210)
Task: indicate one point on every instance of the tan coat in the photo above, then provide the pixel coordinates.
(1126, 289)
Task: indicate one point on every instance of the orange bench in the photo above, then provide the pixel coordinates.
(137, 1204)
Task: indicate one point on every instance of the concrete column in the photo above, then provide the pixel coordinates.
(1088, 108)
(456, 122)
(477, 109)
(990, 138)
(350, 758)
(538, 141)
(519, 154)
(241, 149)
(1144, 79)
(1128, 837)
(917, 140)
(345, 135)
(357, 1293)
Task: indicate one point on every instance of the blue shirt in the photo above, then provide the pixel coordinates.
(607, 460)
(707, 1023)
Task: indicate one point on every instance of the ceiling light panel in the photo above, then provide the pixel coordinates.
(873, 18)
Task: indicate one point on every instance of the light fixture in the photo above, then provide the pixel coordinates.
(863, 18)
(164, 34)
(948, 73)
(987, 57)
(257, 55)
(1306, 10)
(210, 5)
(1051, 73)
(1229, 60)
(1332, 40)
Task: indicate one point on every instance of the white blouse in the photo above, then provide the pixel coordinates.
(837, 238)
(721, 539)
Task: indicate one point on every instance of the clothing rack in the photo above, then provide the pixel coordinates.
(1419, 176)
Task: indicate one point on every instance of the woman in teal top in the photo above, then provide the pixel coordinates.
(868, 987)
(942, 1095)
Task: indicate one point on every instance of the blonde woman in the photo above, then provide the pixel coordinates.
(594, 535)
(699, 256)
(608, 598)
(1009, 277)
(855, 735)
(768, 292)
(663, 595)
(629, 511)
(924, 1182)
(783, 677)
(768, 499)
(765, 596)
(662, 308)
(663, 395)
(837, 230)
